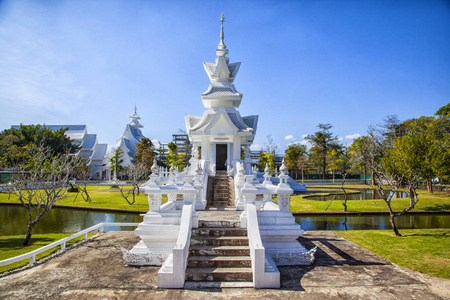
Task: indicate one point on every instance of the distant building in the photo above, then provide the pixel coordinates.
(90, 148)
(127, 142)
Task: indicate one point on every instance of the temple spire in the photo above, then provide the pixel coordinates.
(222, 44)
(222, 49)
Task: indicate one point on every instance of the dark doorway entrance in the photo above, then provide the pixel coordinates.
(221, 156)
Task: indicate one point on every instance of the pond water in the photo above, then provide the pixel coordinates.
(364, 194)
(371, 221)
(13, 221)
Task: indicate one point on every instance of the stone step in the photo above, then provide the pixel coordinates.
(219, 231)
(207, 250)
(217, 284)
(220, 240)
(219, 262)
(219, 274)
(219, 223)
(221, 195)
(221, 201)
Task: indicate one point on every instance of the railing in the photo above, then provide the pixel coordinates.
(172, 273)
(62, 243)
(181, 249)
(257, 251)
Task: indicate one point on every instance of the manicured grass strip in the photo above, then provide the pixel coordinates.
(423, 250)
(101, 196)
(11, 246)
(437, 201)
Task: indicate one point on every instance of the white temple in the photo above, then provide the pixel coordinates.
(221, 131)
(131, 136)
(240, 251)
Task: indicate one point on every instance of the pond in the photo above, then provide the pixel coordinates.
(371, 221)
(364, 194)
(14, 220)
(62, 220)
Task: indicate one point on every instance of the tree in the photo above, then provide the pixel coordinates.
(293, 154)
(146, 153)
(360, 155)
(444, 111)
(322, 142)
(15, 143)
(337, 159)
(266, 158)
(116, 161)
(41, 183)
(175, 159)
(136, 175)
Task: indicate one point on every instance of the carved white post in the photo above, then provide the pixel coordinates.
(247, 160)
(284, 191)
(240, 181)
(249, 192)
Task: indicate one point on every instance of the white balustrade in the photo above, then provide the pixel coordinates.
(62, 243)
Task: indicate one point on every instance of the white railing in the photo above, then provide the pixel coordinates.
(173, 272)
(181, 249)
(257, 251)
(62, 243)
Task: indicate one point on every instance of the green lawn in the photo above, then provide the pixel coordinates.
(423, 250)
(101, 196)
(437, 201)
(11, 246)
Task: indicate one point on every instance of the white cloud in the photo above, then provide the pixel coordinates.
(255, 147)
(340, 139)
(304, 136)
(305, 142)
(155, 143)
(289, 137)
(352, 136)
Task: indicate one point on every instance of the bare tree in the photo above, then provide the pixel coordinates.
(82, 175)
(41, 184)
(136, 175)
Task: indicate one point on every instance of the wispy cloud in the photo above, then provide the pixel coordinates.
(352, 136)
(255, 147)
(289, 137)
(304, 136)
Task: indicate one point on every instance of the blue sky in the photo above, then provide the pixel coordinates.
(348, 63)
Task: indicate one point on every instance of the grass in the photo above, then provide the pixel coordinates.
(437, 201)
(11, 246)
(101, 196)
(423, 250)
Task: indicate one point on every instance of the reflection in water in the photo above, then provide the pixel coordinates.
(361, 222)
(364, 194)
(14, 220)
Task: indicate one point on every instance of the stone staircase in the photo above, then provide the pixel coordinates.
(219, 256)
(222, 190)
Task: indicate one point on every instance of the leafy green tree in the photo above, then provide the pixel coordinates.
(322, 143)
(360, 155)
(266, 158)
(146, 153)
(116, 161)
(15, 143)
(174, 158)
(293, 154)
(444, 111)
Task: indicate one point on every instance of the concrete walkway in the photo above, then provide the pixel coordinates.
(342, 270)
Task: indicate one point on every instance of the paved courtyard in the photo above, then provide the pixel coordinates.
(342, 270)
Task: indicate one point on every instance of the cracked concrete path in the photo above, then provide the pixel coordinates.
(342, 270)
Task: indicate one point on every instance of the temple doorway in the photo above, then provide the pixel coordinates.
(221, 156)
